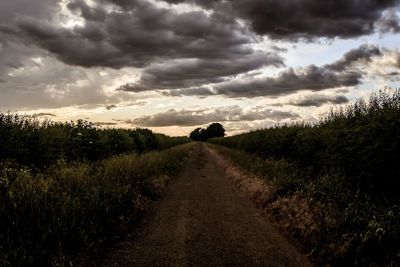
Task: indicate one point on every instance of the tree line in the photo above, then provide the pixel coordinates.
(212, 130)
(28, 141)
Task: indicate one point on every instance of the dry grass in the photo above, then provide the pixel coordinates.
(55, 217)
(297, 215)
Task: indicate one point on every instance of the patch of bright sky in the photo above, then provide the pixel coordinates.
(66, 18)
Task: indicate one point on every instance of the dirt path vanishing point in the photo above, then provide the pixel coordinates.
(203, 220)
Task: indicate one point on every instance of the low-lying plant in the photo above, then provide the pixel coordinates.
(339, 177)
(52, 217)
(336, 224)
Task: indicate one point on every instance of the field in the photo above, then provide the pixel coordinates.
(68, 188)
(334, 184)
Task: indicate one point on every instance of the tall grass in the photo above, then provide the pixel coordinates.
(349, 162)
(50, 217)
(27, 141)
(362, 141)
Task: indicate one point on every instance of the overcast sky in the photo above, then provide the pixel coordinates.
(175, 65)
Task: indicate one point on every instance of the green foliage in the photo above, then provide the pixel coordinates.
(196, 134)
(349, 161)
(63, 187)
(50, 217)
(361, 141)
(38, 144)
(213, 130)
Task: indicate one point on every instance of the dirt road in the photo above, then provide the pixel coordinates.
(203, 220)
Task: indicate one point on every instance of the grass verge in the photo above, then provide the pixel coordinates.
(54, 217)
(336, 224)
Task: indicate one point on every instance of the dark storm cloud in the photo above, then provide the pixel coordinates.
(138, 36)
(196, 72)
(184, 117)
(308, 19)
(11, 9)
(319, 100)
(290, 81)
(341, 73)
(362, 54)
(89, 13)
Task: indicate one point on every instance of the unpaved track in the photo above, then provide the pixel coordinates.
(203, 220)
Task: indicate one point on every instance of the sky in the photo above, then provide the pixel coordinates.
(175, 65)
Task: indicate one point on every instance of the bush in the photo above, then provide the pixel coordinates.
(37, 144)
(361, 141)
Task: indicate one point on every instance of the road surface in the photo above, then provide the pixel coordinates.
(203, 220)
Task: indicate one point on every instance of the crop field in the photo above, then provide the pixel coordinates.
(334, 184)
(66, 188)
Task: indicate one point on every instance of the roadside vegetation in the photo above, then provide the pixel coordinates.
(34, 143)
(335, 184)
(68, 188)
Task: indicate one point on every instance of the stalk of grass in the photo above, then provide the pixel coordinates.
(48, 218)
(345, 168)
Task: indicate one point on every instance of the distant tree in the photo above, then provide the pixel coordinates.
(213, 130)
(196, 135)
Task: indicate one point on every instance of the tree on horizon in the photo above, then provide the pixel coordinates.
(213, 130)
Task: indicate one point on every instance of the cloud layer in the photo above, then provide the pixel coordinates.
(309, 19)
(203, 116)
(345, 72)
(138, 35)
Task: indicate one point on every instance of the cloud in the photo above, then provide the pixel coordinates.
(139, 35)
(309, 19)
(187, 117)
(10, 9)
(100, 123)
(173, 49)
(389, 22)
(386, 66)
(110, 107)
(195, 72)
(44, 114)
(318, 100)
(345, 72)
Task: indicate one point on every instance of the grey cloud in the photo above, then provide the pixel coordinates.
(196, 72)
(203, 116)
(363, 54)
(290, 81)
(44, 114)
(319, 100)
(110, 107)
(100, 123)
(11, 9)
(196, 91)
(131, 103)
(389, 22)
(138, 36)
(307, 19)
(345, 72)
(89, 13)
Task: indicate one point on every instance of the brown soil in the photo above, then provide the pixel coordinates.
(203, 220)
